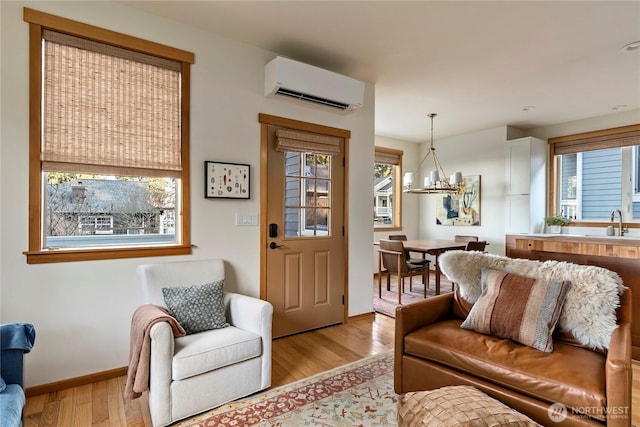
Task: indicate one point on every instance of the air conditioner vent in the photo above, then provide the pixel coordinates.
(311, 98)
(298, 81)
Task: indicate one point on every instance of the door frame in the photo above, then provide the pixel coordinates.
(265, 121)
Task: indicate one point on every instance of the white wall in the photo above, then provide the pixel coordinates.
(82, 310)
(608, 121)
(479, 153)
(484, 153)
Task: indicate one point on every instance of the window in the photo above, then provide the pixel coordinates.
(387, 171)
(596, 173)
(635, 169)
(307, 203)
(308, 184)
(109, 144)
(90, 224)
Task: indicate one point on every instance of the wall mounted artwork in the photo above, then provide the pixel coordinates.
(463, 207)
(226, 180)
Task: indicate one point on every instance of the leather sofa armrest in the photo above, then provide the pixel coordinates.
(619, 370)
(416, 315)
(421, 313)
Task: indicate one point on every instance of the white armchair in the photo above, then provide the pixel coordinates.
(197, 372)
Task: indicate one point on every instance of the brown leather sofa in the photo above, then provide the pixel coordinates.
(432, 351)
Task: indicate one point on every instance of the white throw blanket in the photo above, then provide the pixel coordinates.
(589, 311)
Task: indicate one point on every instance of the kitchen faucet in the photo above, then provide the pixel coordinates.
(620, 225)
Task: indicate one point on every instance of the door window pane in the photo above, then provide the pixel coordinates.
(307, 194)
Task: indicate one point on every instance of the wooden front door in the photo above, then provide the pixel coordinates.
(304, 241)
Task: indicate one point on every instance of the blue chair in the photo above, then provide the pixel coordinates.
(15, 340)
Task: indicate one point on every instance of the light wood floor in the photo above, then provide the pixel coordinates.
(294, 358)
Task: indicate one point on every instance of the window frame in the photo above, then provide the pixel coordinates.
(397, 187)
(36, 254)
(605, 138)
(635, 174)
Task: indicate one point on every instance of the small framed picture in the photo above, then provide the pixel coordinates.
(226, 180)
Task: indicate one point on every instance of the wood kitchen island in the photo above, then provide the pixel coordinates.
(621, 255)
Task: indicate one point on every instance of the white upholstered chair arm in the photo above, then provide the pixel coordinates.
(249, 313)
(255, 315)
(162, 348)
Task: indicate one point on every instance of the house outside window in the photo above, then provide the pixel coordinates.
(595, 174)
(95, 225)
(109, 138)
(387, 172)
(307, 211)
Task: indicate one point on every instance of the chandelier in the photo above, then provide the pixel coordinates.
(436, 182)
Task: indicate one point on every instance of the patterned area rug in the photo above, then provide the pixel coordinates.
(389, 301)
(358, 394)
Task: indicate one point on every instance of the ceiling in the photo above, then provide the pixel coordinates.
(477, 64)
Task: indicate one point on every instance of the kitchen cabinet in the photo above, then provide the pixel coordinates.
(526, 173)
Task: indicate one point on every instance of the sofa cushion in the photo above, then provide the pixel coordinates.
(206, 351)
(197, 308)
(12, 402)
(523, 309)
(589, 310)
(570, 375)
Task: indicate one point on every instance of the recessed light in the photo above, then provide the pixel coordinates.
(528, 108)
(631, 47)
(619, 107)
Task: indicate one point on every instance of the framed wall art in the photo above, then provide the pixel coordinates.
(226, 180)
(463, 207)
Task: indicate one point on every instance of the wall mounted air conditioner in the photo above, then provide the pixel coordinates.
(295, 80)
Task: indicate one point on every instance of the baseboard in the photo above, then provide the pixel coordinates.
(75, 382)
(360, 316)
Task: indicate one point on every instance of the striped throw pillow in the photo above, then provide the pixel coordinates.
(519, 308)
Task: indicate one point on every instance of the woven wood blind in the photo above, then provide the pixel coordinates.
(293, 140)
(109, 110)
(388, 157)
(599, 142)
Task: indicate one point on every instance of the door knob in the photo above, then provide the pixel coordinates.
(274, 245)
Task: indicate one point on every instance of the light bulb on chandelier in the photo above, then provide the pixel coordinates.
(437, 181)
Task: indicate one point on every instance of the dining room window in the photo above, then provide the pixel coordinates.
(387, 172)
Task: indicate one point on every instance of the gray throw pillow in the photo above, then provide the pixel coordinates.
(197, 308)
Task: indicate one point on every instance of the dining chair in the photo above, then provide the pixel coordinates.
(476, 246)
(420, 261)
(461, 238)
(393, 259)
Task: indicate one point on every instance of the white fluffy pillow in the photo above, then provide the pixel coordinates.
(589, 310)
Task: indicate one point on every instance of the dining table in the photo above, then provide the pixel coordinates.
(434, 247)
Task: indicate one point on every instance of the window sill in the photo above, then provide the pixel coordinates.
(86, 254)
(389, 228)
(581, 223)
